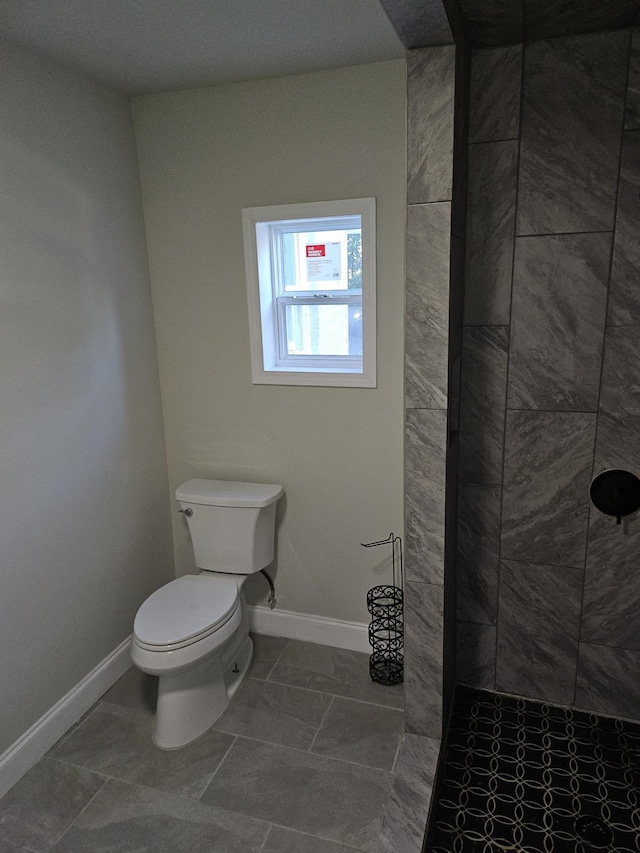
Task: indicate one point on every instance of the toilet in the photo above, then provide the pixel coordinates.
(193, 632)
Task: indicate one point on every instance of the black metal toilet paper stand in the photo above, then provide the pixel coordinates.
(386, 629)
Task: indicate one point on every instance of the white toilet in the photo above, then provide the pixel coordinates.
(193, 632)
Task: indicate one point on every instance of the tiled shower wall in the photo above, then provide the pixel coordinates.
(430, 120)
(548, 587)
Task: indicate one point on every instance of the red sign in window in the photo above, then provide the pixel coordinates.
(316, 251)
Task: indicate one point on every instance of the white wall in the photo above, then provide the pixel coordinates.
(84, 527)
(204, 155)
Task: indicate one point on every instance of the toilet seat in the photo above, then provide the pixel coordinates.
(185, 611)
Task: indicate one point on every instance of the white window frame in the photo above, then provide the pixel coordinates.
(267, 365)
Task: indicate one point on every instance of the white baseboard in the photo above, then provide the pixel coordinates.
(313, 629)
(32, 745)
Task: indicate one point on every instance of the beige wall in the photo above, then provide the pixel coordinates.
(84, 527)
(204, 155)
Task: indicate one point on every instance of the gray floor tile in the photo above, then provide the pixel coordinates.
(288, 841)
(276, 713)
(42, 805)
(135, 689)
(117, 742)
(266, 651)
(408, 807)
(321, 796)
(323, 804)
(338, 671)
(358, 731)
(126, 818)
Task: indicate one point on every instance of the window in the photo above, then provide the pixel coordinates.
(311, 289)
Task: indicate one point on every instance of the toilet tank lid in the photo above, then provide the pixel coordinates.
(228, 493)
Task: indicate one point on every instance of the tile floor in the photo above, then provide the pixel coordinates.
(301, 762)
(533, 778)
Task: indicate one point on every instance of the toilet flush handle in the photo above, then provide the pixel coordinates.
(188, 511)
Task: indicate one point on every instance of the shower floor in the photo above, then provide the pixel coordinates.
(533, 778)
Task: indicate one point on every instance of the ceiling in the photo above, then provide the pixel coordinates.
(141, 46)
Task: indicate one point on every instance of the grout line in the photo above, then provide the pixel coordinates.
(220, 763)
(563, 233)
(394, 766)
(339, 844)
(277, 660)
(493, 141)
(553, 411)
(86, 805)
(539, 563)
(266, 838)
(314, 755)
(335, 695)
(322, 721)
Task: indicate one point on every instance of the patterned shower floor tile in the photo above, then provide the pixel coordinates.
(526, 777)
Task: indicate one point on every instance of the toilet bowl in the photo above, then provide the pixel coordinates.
(193, 632)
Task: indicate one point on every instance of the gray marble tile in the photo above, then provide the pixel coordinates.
(322, 796)
(405, 819)
(612, 584)
(41, 806)
(425, 458)
(338, 671)
(427, 305)
(266, 651)
(547, 18)
(361, 732)
(548, 460)
(617, 443)
(491, 215)
(460, 141)
(624, 301)
(538, 631)
(276, 713)
(572, 114)
(482, 403)
(423, 654)
(418, 23)
(492, 22)
(557, 321)
(289, 841)
(632, 116)
(620, 392)
(609, 681)
(117, 742)
(130, 818)
(494, 100)
(135, 689)
(479, 509)
(430, 94)
(17, 848)
(476, 655)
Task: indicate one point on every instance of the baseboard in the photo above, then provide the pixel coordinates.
(43, 734)
(313, 629)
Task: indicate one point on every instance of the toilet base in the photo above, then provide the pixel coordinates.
(190, 702)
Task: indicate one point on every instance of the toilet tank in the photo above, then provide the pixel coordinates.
(232, 525)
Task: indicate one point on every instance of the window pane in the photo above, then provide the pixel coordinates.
(323, 329)
(320, 259)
